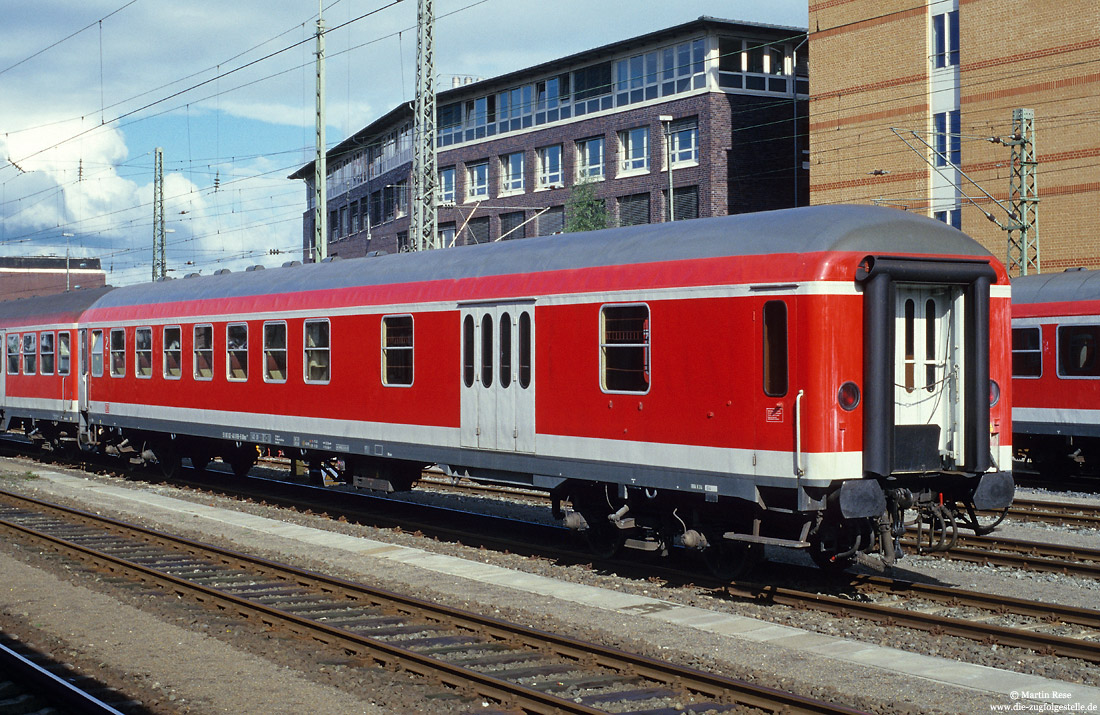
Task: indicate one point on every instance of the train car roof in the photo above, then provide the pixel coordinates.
(1068, 286)
(58, 308)
(819, 229)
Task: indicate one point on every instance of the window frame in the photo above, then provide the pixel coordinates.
(646, 346)
(195, 349)
(479, 189)
(387, 349)
(115, 352)
(447, 185)
(546, 176)
(137, 353)
(1058, 351)
(14, 351)
(630, 164)
(681, 156)
(95, 367)
(285, 350)
(510, 182)
(766, 344)
(164, 351)
(230, 350)
(587, 171)
(29, 357)
(42, 353)
(66, 337)
(306, 350)
(1028, 351)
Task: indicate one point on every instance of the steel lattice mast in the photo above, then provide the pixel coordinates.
(320, 168)
(160, 267)
(423, 228)
(1023, 232)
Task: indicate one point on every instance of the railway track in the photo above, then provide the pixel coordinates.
(1022, 554)
(483, 659)
(32, 683)
(1055, 512)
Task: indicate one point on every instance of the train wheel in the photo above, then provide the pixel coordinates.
(604, 539)
(168, 462)
(199, 460)
(730, 560)
(829, 544)
(242, 463)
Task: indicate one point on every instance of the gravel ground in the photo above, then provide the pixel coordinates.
(280, 671)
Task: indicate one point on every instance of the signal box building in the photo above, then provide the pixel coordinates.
(721, 102)
(912, 107)
(30, 276)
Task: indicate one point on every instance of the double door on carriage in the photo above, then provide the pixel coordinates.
(498, 388)
(928, 377)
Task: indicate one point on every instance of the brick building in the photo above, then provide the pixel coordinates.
(947, 75)
(510, 148)
(30, 276)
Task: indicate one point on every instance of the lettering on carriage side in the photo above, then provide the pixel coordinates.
(279, 439)
(774, 414)
(643, 609)
(343, 448)
(262, 437)
(237, 436)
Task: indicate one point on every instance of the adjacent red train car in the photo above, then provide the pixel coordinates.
(796, 377)
(1056, 370)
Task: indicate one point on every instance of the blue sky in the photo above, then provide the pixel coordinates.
(227, 90)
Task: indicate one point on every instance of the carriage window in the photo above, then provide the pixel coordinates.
(930, 345)
(1027, 352)
(624, 348)
(467, 351)
(204, 352)
(317, 351)
(118, 352)
(775, 348)
(30, 353)
(13, 354)
(173, 352)
(45, 348)
(910, 340)
(64, 354)
(1077, 350)
(486, 350)
(96, 351)
(236, 351)
(143, 352)
(397, 350)
(524, 349)
(505, 350)
(275, 352)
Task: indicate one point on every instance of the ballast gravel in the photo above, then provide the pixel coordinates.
(197, 662)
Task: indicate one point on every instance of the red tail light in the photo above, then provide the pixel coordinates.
(848, 396)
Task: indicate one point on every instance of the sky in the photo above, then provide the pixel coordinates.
(89, 90)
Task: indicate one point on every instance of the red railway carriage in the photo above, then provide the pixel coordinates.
(1055, 369)
(796, 377)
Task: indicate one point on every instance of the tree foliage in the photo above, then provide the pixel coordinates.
(583, 211)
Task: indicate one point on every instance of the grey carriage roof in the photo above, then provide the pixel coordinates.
(1074, 284)
(57, 308)
(865, 229)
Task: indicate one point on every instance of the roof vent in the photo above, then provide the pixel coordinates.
(253, 268)
(331, 259)
(291, 264)
(192, 275)
(375, 254)
(222, 272)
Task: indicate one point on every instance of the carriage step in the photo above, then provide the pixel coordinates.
(772, 541)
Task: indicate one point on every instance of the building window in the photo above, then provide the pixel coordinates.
(634, 210)
(753, 64)
(1077, 350)
(403, 242)
(236, 351)
(636, 79)
(64, 354)
(551, 221)
(401, 198)
(685, 202)
(477, 230)
(590, 158)
(775, 348)
(397, 350)
(550, 166)
(446, 234)
(512, 226)
(317, 351)
(511, 173)
(592, 89)
(684, 134)
(945, 39)
(477, 180)
(516, 108)
(13, 353)
(951, 218)
(1027, 352)
(46, 354)
(96, 351)
(173, 352)
(203, 352)
(682, 67)
(624, 348)
(118, 352)
(947, 141)
(275, 352)
(447, 185)
(143, 352)
(634, 150)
